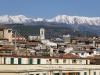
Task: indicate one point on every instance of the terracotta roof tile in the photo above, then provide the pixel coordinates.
(7, 47)
(89, 51)
(69, 55)
(2, 27)
(31, 43)
(17, 36)
(40, 56)
(96, 56)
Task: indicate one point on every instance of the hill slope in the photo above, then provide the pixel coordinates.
(51, 31)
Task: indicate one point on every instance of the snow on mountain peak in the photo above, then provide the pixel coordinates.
(76, 20)
(39, 19)
(6, 19)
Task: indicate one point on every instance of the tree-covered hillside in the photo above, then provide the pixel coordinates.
(51, 31)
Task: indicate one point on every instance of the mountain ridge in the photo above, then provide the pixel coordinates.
(82, 23)
(6, 19)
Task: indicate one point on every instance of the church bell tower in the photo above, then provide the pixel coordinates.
(42, 33)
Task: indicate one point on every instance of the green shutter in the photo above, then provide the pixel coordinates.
(64, 60)
(80, 61)
(57, 60)
(94, 73)
(38, 61)
(19, 60)
(44, 73)
(37, 74)
(72, 61)
(78, 73)
(85, 73)
(30, 61)
(12, 61)
(56, 73)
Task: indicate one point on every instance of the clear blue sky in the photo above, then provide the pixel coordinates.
(50, 8)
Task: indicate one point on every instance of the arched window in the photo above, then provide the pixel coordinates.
(41, 32)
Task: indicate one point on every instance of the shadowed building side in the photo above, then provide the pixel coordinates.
(5, 33)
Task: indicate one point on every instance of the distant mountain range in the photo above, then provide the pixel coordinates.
(6, 19)
(76, 22)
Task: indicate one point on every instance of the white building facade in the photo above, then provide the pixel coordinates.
(31, 65)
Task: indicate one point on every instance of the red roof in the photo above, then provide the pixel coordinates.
(2, 27)
(69, 55)
(32, 56)
(17, 36)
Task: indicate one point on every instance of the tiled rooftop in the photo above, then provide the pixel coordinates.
(2, 27)
(69, 55)
(17, 36)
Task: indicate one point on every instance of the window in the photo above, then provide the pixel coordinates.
(19, 60)
(4, 60)
(74, 61)
(64, 74)
(80, 61)
(90, 53)
(76, 53)
(71, 73)
(94, 73)
(77, 73)
(56, 73)
(82, 53)
(38, 61)
(41, 32)
(30, 61)
(64, 60)
(12, 61)
(44, 73)
(37, 74)
(85, 73)
(56, 60)
(47, 61)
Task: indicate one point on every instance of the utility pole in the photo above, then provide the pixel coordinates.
(15, 41)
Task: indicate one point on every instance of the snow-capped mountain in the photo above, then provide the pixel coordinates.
(18, 19)
(6, 19)
(76, 20)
